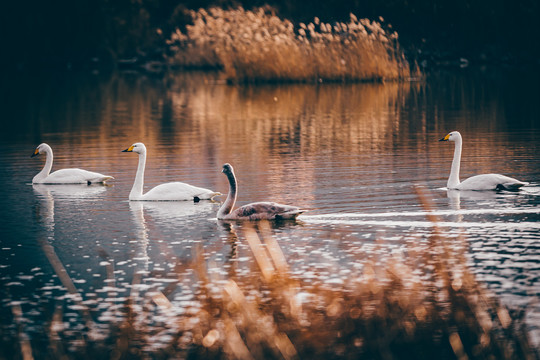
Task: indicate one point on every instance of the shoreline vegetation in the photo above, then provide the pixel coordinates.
(428, 306)
(102, 35)
(258, 46)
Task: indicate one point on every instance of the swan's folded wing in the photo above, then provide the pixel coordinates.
(266, 211)
(75, 176)
(491, 182)
(178, 191)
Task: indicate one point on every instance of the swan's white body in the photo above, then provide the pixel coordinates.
(253, 211)
(173, 191)
(478, 182)
(64, 176)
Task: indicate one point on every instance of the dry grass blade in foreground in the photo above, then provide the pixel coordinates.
(429, 306)
(254, 46)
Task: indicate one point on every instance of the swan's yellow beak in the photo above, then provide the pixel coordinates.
(36, 152)
(129, 149)
(445, 138)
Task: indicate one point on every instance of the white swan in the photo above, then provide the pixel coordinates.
(253, 211)
(478, 182)
(64, 176)
(173, 191)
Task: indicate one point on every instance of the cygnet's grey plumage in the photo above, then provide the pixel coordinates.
(253, 211)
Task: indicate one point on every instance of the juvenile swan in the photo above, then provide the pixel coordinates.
(64, 176)
(253, 211)
(478, 182)
(173, 191)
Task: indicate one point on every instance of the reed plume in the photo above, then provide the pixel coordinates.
(258, 46)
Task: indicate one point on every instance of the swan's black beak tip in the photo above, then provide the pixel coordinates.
(446, 138)
(34, 154)
(125, 150)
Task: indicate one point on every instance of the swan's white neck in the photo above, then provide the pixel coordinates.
(137, 189)
(48, 165)
(453, 179)
(227, 206)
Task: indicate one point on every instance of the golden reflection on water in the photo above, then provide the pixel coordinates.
(279, 136)
(301, 117)
(354, 117)
(271, 130)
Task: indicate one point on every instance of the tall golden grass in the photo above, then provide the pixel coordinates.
(428, 306)
(253, 46)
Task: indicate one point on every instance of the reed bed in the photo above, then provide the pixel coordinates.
(427, 306)
(258, 46)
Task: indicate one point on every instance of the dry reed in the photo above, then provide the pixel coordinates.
(253, 46)
(429, 306)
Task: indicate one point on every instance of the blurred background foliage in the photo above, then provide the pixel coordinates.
(68, 33)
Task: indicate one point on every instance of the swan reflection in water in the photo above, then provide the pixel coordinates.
(170, 212)
(151, 217)
(68, 192)
(232, 239)
(476, 199)
(245, 238)
(456, 196)
(140, 257)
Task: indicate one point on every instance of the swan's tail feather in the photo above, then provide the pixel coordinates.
(511, 186)
(214, 195)
(290, 215)
(210, 196)
(207, 196)
(100, 180)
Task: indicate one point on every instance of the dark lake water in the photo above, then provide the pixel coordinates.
(351, 154)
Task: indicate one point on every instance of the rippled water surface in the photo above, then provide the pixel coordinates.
(350, 154)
